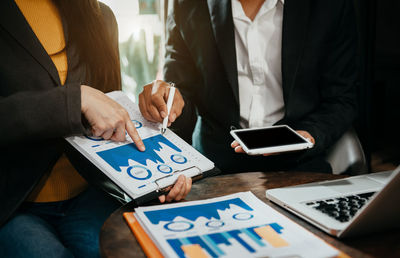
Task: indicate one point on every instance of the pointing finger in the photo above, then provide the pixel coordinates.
(130, 128)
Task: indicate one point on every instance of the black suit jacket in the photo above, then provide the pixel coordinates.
(318, 75)
(36, 112)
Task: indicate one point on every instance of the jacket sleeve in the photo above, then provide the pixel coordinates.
(180, 69)
(85, 167)
(338, 106)
(31, 115)
(46, 114)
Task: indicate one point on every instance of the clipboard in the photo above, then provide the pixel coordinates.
(140, 176)
(162, 188)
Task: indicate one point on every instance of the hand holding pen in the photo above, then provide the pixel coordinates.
(170, 100)
(161, 102)
(153, 102)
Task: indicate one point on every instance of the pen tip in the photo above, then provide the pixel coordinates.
(163, 131)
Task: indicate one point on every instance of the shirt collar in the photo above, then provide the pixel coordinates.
(238, 13)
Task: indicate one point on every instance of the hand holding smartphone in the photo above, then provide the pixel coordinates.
(271, 139)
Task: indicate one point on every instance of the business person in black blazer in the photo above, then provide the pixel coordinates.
(316, 77)
(50, 51)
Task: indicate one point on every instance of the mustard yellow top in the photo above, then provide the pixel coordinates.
(63, 182)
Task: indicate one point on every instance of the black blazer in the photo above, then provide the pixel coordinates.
(36, 112)
(318, 73)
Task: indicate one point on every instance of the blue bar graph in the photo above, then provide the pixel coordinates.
(255, 237)
(211, 243)
(204, 245)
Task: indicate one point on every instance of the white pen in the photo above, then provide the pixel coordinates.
(169, 105)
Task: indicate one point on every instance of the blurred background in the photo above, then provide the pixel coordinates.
(141, 41)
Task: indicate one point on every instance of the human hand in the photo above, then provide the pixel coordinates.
(179, 191)
(306, 135)
(238, 149)
(153, 102)
(107, 118)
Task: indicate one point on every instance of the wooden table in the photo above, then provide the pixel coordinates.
(116, 239)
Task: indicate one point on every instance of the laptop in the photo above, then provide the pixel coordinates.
(346, 207)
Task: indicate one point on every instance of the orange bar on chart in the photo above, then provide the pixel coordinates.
(271, 236)
(194, 251)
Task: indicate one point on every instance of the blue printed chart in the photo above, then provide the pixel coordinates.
(237, 225)
(139, 172)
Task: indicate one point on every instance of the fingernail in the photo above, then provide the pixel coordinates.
(232, 143)
(163, 114)
(142, 148)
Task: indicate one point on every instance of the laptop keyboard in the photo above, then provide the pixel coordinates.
(342, 208)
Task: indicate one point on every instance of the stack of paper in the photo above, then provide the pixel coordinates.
(237, 225)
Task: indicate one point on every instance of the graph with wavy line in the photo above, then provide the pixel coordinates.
(193, 212)
(119, 157)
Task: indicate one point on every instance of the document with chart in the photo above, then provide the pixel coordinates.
(237, 225)
(140, 173)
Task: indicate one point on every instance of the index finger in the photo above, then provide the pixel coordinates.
(159, 96)
(159, 102)
(130, 128)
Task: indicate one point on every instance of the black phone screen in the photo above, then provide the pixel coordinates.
(269, 137)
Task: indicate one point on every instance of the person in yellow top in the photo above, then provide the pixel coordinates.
(57, 59)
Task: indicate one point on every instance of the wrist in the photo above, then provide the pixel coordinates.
(84, 90)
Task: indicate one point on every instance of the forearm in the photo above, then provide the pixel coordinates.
(327, 124)
(32, 115)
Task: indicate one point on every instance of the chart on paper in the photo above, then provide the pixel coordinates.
(237, 226)
(164, 154)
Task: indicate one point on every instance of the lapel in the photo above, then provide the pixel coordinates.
(295, 22)
(13, 21)
(223, 28)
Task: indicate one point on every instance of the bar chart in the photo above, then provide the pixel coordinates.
(238, 225)
(246, 240)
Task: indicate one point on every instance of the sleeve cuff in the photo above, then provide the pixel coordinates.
(74, 116)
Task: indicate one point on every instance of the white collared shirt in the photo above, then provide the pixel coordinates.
(258, 56)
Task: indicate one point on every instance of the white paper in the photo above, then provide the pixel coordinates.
(227, 227)
(139, 173)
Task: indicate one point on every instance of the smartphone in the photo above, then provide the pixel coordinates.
(271, 139)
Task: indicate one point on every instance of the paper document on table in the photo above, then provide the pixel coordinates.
(140, 173)
(236, 225)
